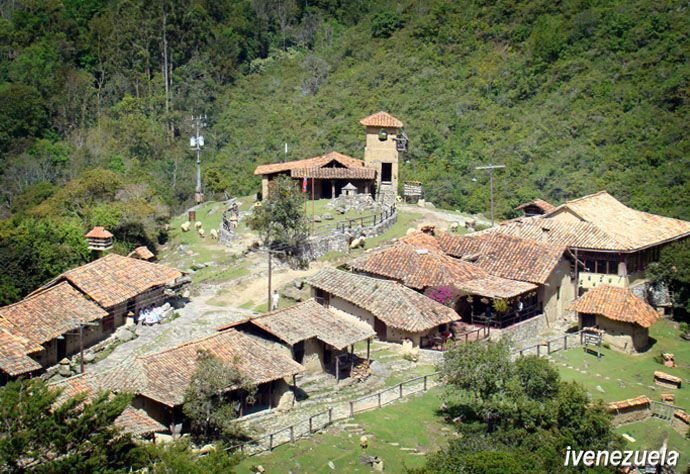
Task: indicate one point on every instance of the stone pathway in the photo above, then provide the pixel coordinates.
(196, 320)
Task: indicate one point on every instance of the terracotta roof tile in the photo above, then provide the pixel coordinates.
(14, 350)
(334, 173)
(381, 119)
(98, 232)
(637, 402)
(629, 228)
(45, 315)
(618, 304)
(310, 163)
(597, 222)
(309, 319)
(168, 373)
(540, 203)
(496, 287)
(114, 279)
(579, 234)
(505, 256)
(165, 376)
(142, 253)
(418, 266)
(137, 422)
(394, 304)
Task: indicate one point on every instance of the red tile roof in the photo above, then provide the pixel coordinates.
(14, 350)
(505, 256)
(638, 402)
(311, 320)
(496, 287)
(168, 373)
(597, 222)
(47, 314)
(618, 304)
(142, 253)
(310, 163)
(540, 203)
(394, 304)
(137, 422)
(114, 279)
(334, 173)
(631, 229)
(381, 119)
(417, 267)
(98, 232)
(165, 376)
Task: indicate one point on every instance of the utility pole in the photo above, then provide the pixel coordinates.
(491, 169)
(196, 142)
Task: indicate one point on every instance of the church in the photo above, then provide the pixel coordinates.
(330, 175)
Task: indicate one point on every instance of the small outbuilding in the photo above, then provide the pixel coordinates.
(623, 317)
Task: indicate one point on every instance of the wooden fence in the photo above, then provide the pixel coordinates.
(322, 420)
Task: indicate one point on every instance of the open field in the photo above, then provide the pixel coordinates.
(624, 376)
(399, 434)
(618, 376)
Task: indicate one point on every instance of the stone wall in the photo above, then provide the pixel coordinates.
(524, 332)
(339, 241)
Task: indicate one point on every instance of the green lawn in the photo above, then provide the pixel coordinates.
(624, 376)
(650, 435)
(411, 424)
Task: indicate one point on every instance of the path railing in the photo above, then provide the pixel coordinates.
(548, 347)
(327, 417)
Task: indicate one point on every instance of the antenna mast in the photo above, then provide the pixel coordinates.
(196, 143)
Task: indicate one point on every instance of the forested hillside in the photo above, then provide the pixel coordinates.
(96, 98)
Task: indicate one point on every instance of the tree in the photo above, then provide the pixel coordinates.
(280, 219)
(206, 400)
(673, 270)
(521, 418)
(38, 433)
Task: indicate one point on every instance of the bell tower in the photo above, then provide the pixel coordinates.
(385, 141)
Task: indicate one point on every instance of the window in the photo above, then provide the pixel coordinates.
(386, 172)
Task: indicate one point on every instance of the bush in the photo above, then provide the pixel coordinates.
(384, 24)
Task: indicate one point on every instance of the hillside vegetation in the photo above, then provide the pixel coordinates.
(96, 98)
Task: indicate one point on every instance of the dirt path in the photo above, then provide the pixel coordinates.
(255, 290)
(441, 217)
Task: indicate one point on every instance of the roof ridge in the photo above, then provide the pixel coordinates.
(188, 343)
(41, 291)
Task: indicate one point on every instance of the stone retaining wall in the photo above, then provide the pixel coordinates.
(339, 241)
(524, 332)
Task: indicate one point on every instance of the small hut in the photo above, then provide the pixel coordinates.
(350, 189)
(623, 317)
(99, 239)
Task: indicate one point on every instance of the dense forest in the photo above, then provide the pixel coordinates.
(96, 99)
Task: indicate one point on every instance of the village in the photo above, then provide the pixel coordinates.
(385, 285)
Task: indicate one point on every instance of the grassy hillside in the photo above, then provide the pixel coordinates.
(573, 97)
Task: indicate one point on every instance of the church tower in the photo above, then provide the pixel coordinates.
(386, 141)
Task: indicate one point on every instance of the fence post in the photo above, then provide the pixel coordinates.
(330, 416)
(548, 347)
(270, 442)
(425, 383)
(520, 353)
(565, 342)
(538, 350)
(310, 424)
(379, 396)
(352, 408)
(292, 434)
(400, 389)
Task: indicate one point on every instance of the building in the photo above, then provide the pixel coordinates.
(614, 242)
(325, 176)
(159, 381)
(312, 335)
(121, 285)
(40, 330)
(545, 265)
(394, 311)
(623, 318)
(538, 207)
(80, 307)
